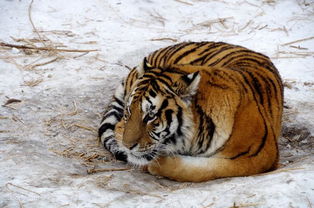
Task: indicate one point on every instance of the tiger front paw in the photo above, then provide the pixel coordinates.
(158, 167)
(153, 168)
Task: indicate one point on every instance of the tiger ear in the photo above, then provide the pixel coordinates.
(145, 66)
(191, 82)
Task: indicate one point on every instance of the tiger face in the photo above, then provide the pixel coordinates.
(158, 116)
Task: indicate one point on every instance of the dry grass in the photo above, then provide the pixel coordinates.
(85, 127)
(184, 2)
(94, 170)
(164, 39)
(33, 83)
(298, 41)
(33, 66)
(245, 205)
(9, 185)
(91, 155)
(85, 147)
(8, 45)
(127, 189)
(220, 21)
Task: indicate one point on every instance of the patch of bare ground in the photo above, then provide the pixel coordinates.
(296, 142)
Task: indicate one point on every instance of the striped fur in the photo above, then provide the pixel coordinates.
(197, 111)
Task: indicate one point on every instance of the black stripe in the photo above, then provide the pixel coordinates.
(240, 154)
(177, 71)
(122, 156)
(208, 58)
(110, 141)
(200, 136)
(163, 106)
(228, 55)
(159, 60)
(186, 53)
(180, 121)
(176, 49)
(165, 83)
(203, 57)
(155, 85)
(212, 45)
(250, 55)
(165, 77)
(117, 115)
(152, 93)
(129, 81)
(262, 63)
(104, 128)
(269, 93)
(257, 87)
(267, 66)
(148, 157)
(120, 102)
(148, 100)
(119, 109)
(206, 127)
(171, 139)
(157, 57)
(262, 144)
(168, 114)
(232, 78)
(210, 129)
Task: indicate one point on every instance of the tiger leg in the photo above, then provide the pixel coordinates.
(198, 169)
(111, 118)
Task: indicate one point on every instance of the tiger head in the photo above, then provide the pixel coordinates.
(158, 116)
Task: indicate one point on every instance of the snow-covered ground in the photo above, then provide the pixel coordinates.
(48, 144)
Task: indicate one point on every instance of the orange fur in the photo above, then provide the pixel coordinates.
(243, 97)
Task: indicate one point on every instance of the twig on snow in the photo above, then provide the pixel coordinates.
(162, 39)
(33, 25)
(93, 170)
(297, 41)
(45, 48)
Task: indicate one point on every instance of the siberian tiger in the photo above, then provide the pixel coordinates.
(197, 111)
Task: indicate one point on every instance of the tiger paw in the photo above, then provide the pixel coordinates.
(153, 168)
(158, 166)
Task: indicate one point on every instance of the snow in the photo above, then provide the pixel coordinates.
(48, 140)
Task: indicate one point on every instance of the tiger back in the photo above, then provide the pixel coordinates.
(198, 111)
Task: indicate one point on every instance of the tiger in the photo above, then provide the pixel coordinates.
(197, 111)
